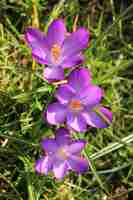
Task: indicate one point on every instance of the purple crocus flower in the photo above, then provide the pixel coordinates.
(56, 49)
(79, 103)
(62, 155)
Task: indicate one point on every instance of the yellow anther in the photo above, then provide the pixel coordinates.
(62, 153)
(55, 52)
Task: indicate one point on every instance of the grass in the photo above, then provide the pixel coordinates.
(24, 95)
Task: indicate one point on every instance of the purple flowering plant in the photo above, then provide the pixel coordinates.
(58, 49)
(61, 155)
(78, 104)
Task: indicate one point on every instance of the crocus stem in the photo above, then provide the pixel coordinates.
(31, 193)
(28, 168)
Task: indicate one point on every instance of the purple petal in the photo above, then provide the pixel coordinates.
(37, 41)
(72, 61)
(56, 113)
(76, 122)
(53, 74)
(43, 165)
(78, 164)
(102, 120)
(76, 42)
(91, 95)
(79, 79)
(49, 145)
(64, 94)
(76, 147)
(56, 33)
(63, 136)
(60, 169)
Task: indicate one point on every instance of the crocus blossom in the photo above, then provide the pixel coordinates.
(56, 49)
(79, 103)
(62, 155)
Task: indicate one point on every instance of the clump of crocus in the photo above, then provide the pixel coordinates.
(57, 49)
(79, 103)
(62, 155)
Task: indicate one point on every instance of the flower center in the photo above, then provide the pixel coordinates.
(55, 52)
(75, 105)
(62, 153)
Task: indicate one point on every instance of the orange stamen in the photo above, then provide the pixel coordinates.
(75, 105)
(62, 153)
(55, 52)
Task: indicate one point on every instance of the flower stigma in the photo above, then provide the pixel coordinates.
(62, 153)
(75, 105)
(55, 52)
